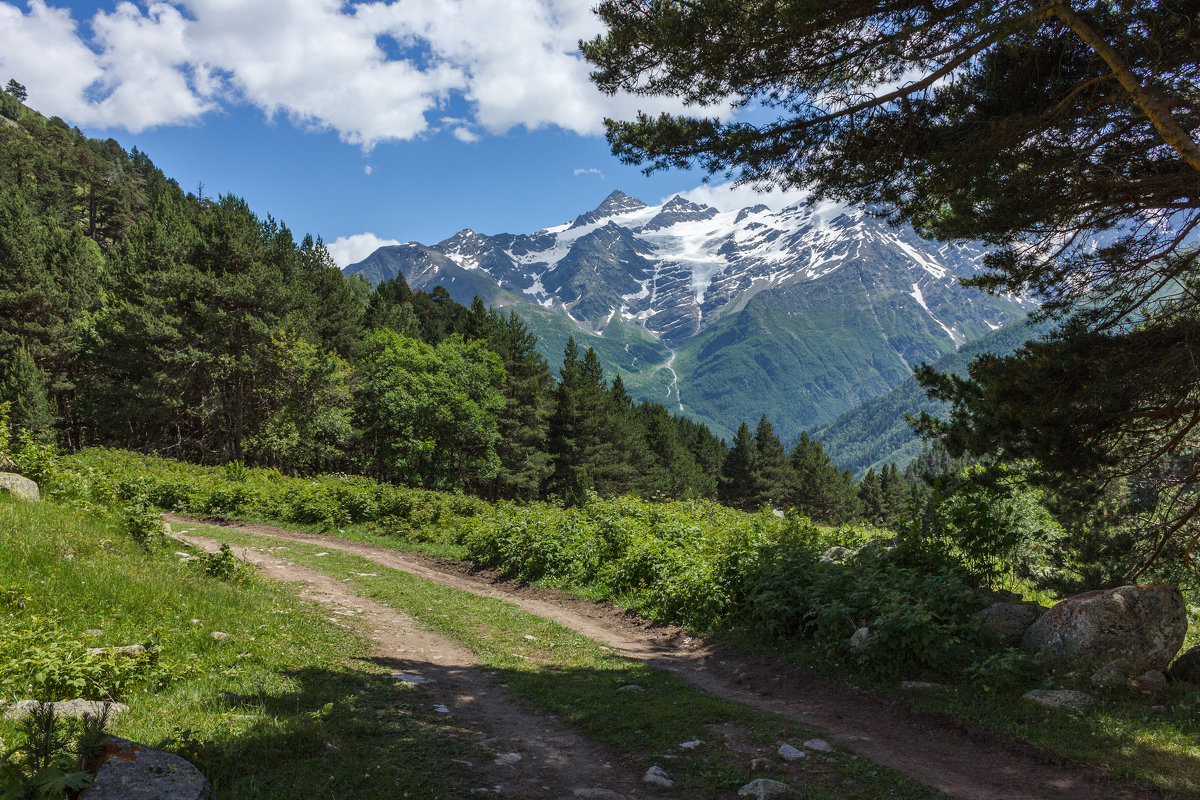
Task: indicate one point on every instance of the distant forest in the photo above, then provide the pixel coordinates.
(135, 314)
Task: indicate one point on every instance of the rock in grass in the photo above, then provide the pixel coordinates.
(657, 776)
(630, 687)
(1112, 675)
(131, 771)
(67, 708)
(789, 753)
(923, 686)
(1144, 626)
(820, 745)
(1186, 668)
(127, 650)
(1152, 680)
(597, 794)
(219, 635)
(859, 638)
(764, 787)
(1066, 699)
(18, 486)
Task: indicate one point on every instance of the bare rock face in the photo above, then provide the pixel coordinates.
(1186, 668)
(1009, 621)
(1143, 626)
(18, 486)
(130, 771)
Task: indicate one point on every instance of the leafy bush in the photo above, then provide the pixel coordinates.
(224, 566)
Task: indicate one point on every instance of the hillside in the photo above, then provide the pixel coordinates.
(877, 433)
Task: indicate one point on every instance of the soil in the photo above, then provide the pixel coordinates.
(969, 762)
(551, 759)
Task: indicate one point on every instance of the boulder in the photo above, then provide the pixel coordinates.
(1009, 621)
(1143, 626)
(1186, 668)
(858, 639)
(835, 555)
(8, 465)
(657, 776)
(1113, 675)
(1151, 681)
(1060, 698)
(131, 771)
(19, 487)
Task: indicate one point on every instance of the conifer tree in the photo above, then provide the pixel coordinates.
(774, 470)
(870, 494)
(819, 488)
(740, 472)
(24, 389)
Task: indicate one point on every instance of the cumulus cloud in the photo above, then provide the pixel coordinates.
(728, 197)
(347, 250)
(590, 171)
(368, 169)
(372, 71)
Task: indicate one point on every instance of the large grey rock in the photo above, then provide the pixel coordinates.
(1067, 699)
(1113, 675)
(657, 776)
(18, 486)
(66, 708)
(1186, 668)
(1143, 626)
(1009, 621)
(131, 771)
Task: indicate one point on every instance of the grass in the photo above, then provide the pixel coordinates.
(554, 670)
(311, 716)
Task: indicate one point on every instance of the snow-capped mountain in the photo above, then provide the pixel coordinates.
(824, 303)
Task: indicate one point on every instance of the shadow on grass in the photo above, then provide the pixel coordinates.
(344, 734)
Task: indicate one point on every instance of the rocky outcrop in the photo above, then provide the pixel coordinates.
(1186, 668)
(1142, 626)
(131, 771)
(1009, 621)
(18, 486)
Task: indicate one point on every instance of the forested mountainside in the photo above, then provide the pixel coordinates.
(801, 314)
(135, 314)
(877, 433)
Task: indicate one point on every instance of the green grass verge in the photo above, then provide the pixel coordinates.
(553, 669)
(312, 716)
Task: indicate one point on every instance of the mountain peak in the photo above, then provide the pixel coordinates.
(619, 203)
(680, 203)
(616, 203)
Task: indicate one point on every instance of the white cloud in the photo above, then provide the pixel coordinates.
(464, 134)
(728, 197)
(368, 169)
(590, 171)
(372, 71)
(347, 250)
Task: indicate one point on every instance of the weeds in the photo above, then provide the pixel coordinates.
(54, 757)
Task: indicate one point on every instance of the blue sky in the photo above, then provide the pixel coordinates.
(361, 122)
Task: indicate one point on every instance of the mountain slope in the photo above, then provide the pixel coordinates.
(801, 314)
(876, 433)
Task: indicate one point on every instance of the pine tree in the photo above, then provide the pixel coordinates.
(24, 388)
(740, 473)
(819, 488)
(774, 471)
(870, 494)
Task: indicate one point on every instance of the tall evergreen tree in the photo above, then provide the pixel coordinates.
(818, 487)
(740, 471)
(23, 388)
(774, 470)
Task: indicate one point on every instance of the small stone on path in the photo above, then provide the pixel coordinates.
(507, 759)
(1060, 698)
(657, 776)
(819, 745)
(630, 687)
(764, 787)
(441, 709)
(597, 794)
(692, 745)
(411, 679)
(790, 753)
